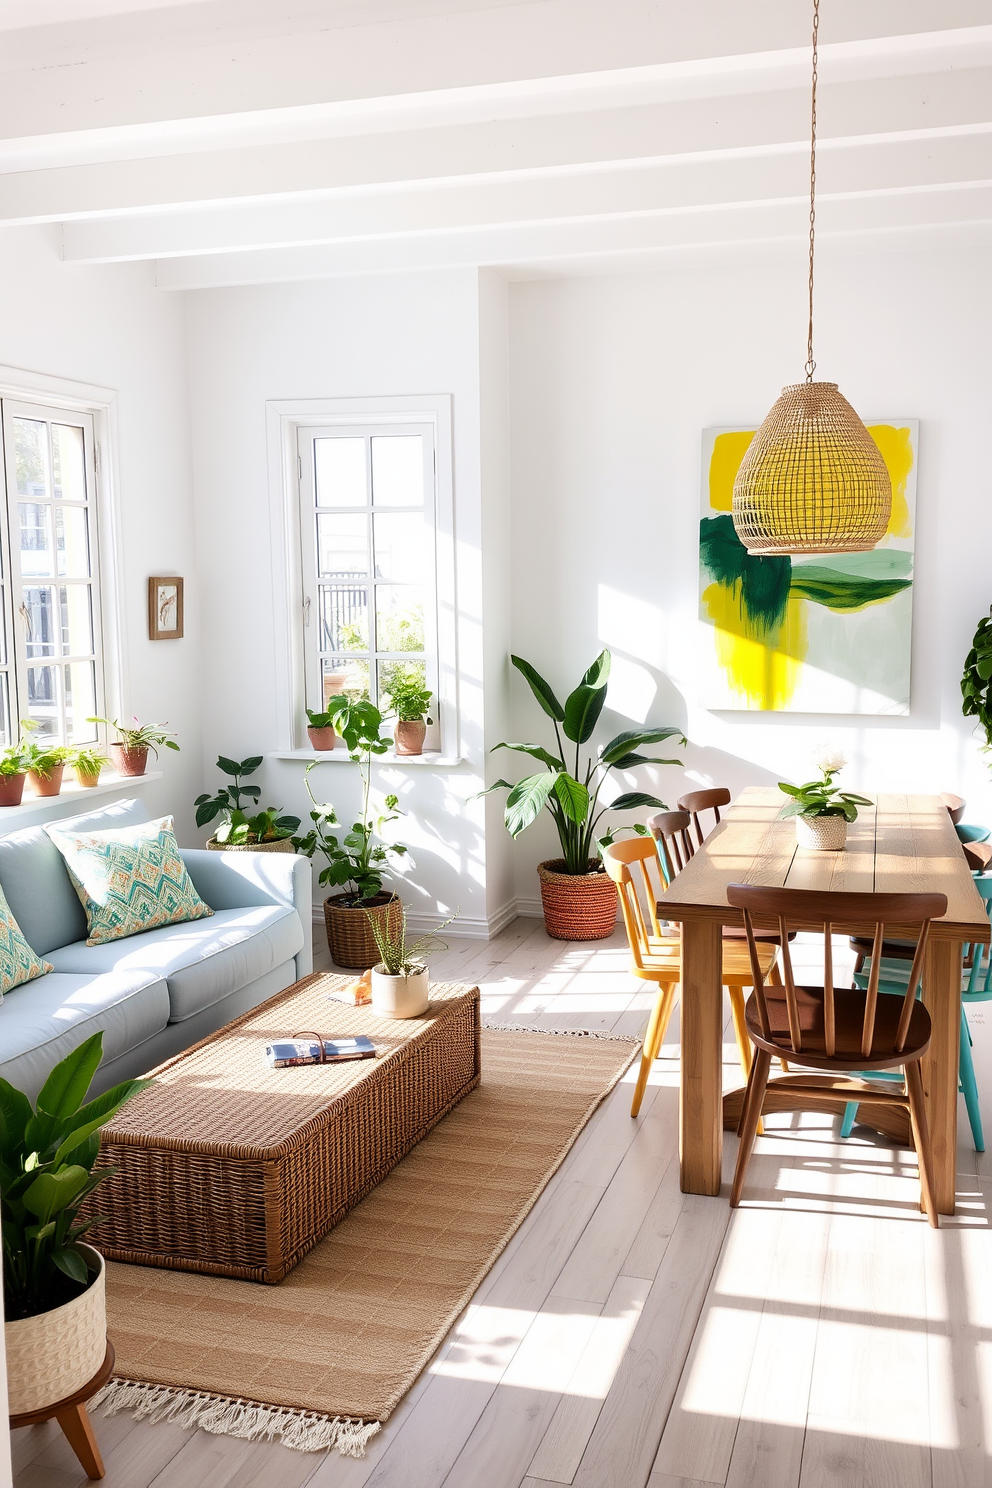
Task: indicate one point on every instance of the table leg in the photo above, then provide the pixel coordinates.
(700, 1103)
(79, 1433)
(942, 995)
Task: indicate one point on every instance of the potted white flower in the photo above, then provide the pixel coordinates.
(822, 811)
(53, 1283)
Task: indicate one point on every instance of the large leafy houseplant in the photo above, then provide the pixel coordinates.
(47, 1153)
(569, 786)
(233, 801)
(976, 683)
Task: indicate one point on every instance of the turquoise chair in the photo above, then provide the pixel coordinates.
(976, 986)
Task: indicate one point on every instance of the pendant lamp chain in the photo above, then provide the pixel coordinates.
(810, 364)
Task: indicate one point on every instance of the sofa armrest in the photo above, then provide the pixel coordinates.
(239, 880)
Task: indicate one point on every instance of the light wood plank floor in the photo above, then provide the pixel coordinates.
(631, 1335)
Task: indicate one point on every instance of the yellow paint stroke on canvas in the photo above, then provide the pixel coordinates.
(765, 669)
(728, 451)
(896, 449)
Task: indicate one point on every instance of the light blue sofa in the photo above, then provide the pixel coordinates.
(155, 994)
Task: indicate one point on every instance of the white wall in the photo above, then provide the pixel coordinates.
(109, 326)
(612, 380)
(405, 335)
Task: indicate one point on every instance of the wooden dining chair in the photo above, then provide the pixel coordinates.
(656, 955)
(696, 802)
(836, 1032)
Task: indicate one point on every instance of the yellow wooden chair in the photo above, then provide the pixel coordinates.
(656, 955)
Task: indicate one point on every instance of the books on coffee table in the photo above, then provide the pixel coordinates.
(289, 1052)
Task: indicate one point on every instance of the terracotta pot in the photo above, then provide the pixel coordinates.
(12, 789)
(403, 996)
(821, 833)
(54, 1354)
(283, 845)
(129, 761)
(409, 735)
(577, 906)
(321, 739)
(48, 785)
(349, 935)
(85, 780)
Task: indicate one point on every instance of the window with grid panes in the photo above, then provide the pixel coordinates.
(369, 569)
(50, 669)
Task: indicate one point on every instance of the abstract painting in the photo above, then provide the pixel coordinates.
(810, 633)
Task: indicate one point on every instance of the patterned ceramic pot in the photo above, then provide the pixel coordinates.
(129, 761)
(400, 996)
(50, 784)
(577, 906)
(12, 789)
(54, 1354)
(821, 833)
(409, 735)
(321, 739)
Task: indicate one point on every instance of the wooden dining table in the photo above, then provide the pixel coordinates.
(900, 844)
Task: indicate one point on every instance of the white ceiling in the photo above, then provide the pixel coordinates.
(241, 141)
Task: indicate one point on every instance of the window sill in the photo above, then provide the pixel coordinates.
(341, 756)
(73, 795)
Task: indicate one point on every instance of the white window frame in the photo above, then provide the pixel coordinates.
(285, 421)
(19, 664)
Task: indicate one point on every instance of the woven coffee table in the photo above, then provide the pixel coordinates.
(226, 1166)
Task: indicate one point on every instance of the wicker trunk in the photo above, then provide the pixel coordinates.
(349, 934)
(577, 906)
(229, 1167)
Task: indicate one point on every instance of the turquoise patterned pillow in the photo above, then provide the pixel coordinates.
(18, 962)
(130, 879)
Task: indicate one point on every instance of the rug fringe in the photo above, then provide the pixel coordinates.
(589, 1033)
(306, 1431)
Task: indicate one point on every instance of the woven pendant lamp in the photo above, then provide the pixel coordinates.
(812, 480)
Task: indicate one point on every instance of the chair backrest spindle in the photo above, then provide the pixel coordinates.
(704, 800)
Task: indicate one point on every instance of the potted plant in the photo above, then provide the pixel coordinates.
(400, 982)
(822, 811)
(266, 831)
(87, 761)
(355, 861)
(320, 729)
(13, 773)
(409, 701)
(46, 762)
(130, 752)
(56, 1326)
(579, 900)
(976, 683)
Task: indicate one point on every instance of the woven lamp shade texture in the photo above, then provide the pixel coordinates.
(812, 480)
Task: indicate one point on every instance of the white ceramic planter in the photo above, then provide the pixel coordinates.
(400, 996)
(54, 1354)
(821, 833)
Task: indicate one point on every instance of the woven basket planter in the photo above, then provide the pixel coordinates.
(54, 1354)
(577, 906)
(283, 845)
(349, 934)
(821, 833)
(129, 761)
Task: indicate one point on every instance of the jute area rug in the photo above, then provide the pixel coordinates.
(324, 1357)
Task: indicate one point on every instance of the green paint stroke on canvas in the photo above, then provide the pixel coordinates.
(762, 583)
(843, 593)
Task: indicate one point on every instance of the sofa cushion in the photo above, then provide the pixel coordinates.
(36, 884)
(129, 880)
(202, 960)
(18, 962)
(42, 1021)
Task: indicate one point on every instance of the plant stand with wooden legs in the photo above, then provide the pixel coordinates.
(72, 1416)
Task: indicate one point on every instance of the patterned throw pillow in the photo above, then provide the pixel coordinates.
(130, 879)
(18, 962)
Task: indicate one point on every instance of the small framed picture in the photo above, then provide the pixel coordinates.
(165, 608)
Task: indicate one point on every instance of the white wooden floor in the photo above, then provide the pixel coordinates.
(631, 1335)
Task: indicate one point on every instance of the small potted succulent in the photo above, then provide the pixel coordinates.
(356, 859)
(822, 811)
(87, 761)
(53, 1283)
(320, 729)
(400, 981)
(409, 701)
(13, 773)
(265, 831)
(130, 752)
(46, 762)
